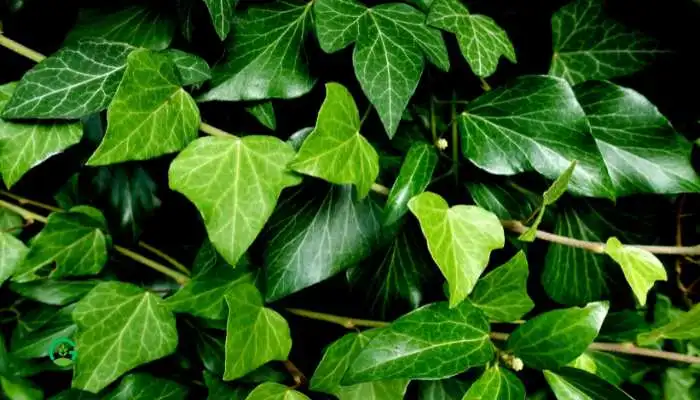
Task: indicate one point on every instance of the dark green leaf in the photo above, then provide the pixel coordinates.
(275, 391)
(49, 291)
(74, 394)
(264, 113)
(572, 383)
(614, 368)
(36, 344)
(337, 23)
(221, 12)
(12, 252)
(446, 389)
(503, 200)
(219, 390)
(496, 384)
(20, 389)
(193, 70)
(143, 386)
(641, 267)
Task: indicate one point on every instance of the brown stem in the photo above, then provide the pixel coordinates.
(297, 375)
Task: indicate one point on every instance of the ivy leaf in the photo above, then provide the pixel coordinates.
(683, 326)
(265, 59)
(314, 237)
(568, 383)
(25, 145)
(141, 386)
(10, 222)
(432, 342)
(76, 241)
(12, 252)
(218, 174)
(415, 175)
(192, 69)
(445, 389)
(555, 338)
(254, 334)
(496, 383)
(20, 389)
(535, 123)
(141, 127)
(641, 149)
(120, 326)
(54, 292)
(641, 268)
(137, 26)
(679, 384)
(275, 391)
(480, 39)
(588, 45)
(502, 293)
(74, 394)
(264, 113)
(613, 368)
(503, 200)
(337, 23)
(221, 12)
(219, 390)
(460, 240)
(90, 73)
(336, 151)
(34, 344)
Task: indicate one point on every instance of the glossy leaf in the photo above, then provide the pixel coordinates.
(337, 23)
(317, 233)
(264, 113)
(265, 58)
(445, 389)
(503, 200)
(90, 73)
(496, 383)
(615, 369)
(432, 342)
(336, 151)
(534, 124)
(502, 293)
(219, 174)
(460, 240)
(140, 127)
(120, 327)
(275, 391)
(35, 344)
(20, 389)
(192, 69)
(480, 39)
(254, 334)
(218, 390)
(11, 222)
(589, 45)
(683, 326)
(221, 12)
(12, 252)
(142, 386)
(641, 268)
(555, 338)
(74, 394)
(50, 291)
(568, 383)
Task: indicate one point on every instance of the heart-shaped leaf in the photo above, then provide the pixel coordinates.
(641, 268)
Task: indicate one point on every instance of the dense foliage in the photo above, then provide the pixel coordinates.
(420, 199)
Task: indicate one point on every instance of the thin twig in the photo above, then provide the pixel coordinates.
(347, 322)
(298, 376)
(24, 201)
(21, 49)
(679, 260)
(175, 263)
(455, 137)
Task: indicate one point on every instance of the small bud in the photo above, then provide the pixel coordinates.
(441, 144)
(517, 364)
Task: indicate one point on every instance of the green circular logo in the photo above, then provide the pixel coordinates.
(62, 352)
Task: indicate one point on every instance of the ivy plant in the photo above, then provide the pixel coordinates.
(361, 200)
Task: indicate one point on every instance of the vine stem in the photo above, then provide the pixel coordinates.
(623, 348)
(21, 49)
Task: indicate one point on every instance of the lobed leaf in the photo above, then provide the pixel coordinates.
(641, 268)
(221, 12)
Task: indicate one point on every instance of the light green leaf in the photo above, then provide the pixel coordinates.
(534, 123)
(318, 232)
(35, 344)
(684, 326)
(337, 23)
(142, 386)
(502, 293)
(50, 291)
(415, 175)
(496, 383)
(678, 384)
(265, 59)
(336, 151)
(120, 327)
(264, 113)
(641, 268)
(90, 73)
(589, 45)
(480, 39)
(555, 338)
(12, 252)
(76, 241)
(20, 389)
(25, 145)
(138, 26)
(140, 127)
(460, 240)
(445, 389)
(218, 174)
(10, 222)
(642, 151)
(614, 368)
(572, 383)
(193, 70)
(254, 334)
(432, 342)
(275, 391)
(221, 12)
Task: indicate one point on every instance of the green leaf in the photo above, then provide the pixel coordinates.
(497, 384)
(265, 60)
(192, 69)
(25, 145)
(337, 23)
(275, 391)
(35, 344)
(34, 319)
(503, 200)
(480, 39)
(254, 334)
(20, 389)
(572, 383)
(641, 268)
(446, 389)
(221, 12)
(90, 73)
(432, 342)
(683, 326)
(219, 390)
(313, 237)
(10, 222)
(264, 113)
(218, 174)
(140, 127)
(415, 175)
(613, 368)
(120, 326)
(76, 241)
(142, 386)
(74, 394)
(589, 45)
(678, 384)
(534, 123)
(12, 252)
(137, 26)
(460, 240)
(502, 293)
(50, 291)
(555, 338)
(642, 151)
